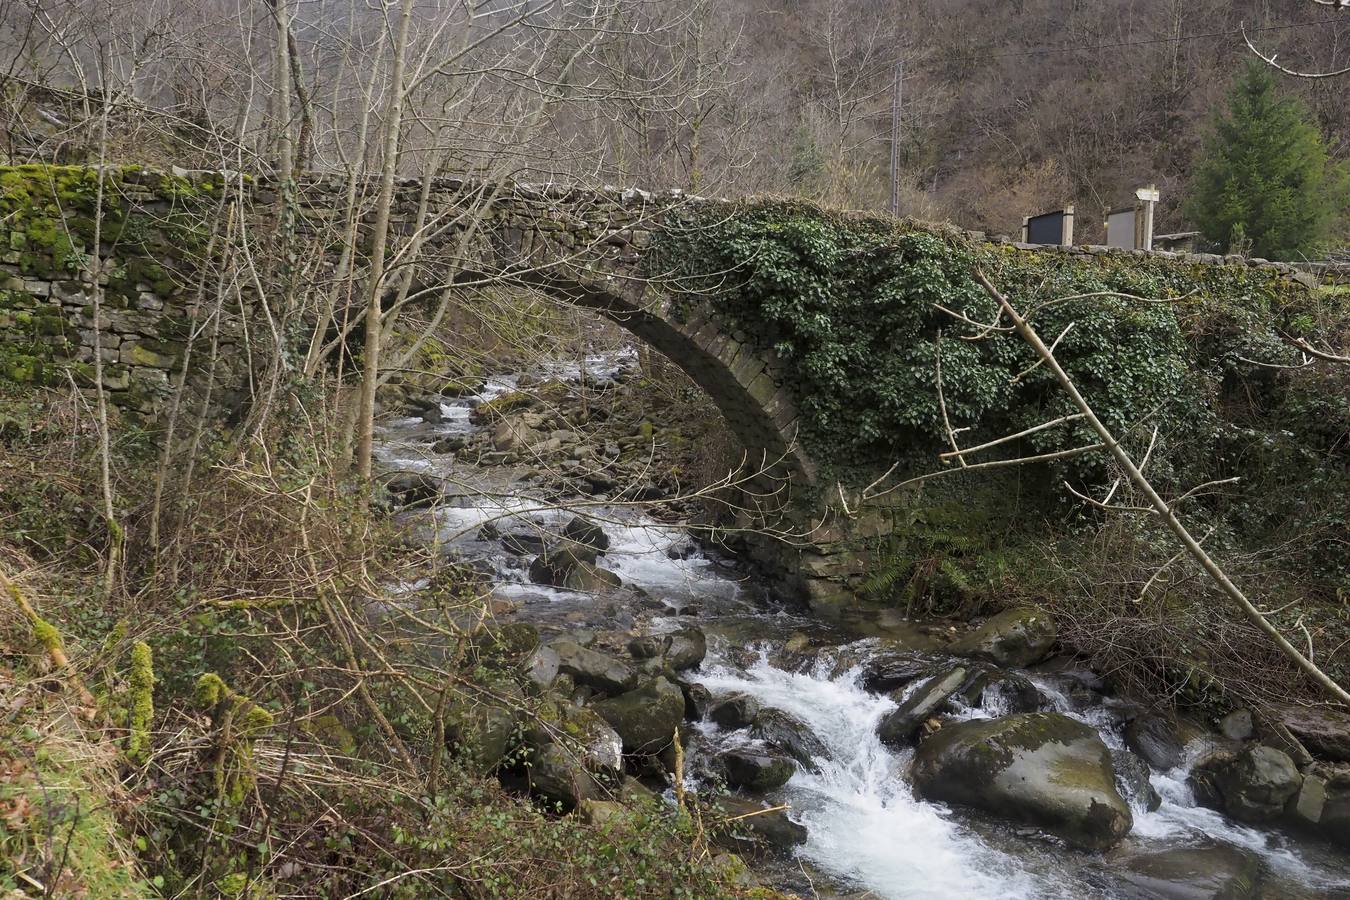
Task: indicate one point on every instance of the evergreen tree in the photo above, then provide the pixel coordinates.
(1265, 182)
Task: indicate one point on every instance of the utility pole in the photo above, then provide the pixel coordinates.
(897, 100)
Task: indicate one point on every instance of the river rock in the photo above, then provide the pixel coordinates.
(593, 668)
(789, 735)
(766, 830)
(1132, 777)
(1257, 783)
(756, 770)
(1326, 732)
(885, 672)
(1045, 769)
(687, 648)
(523, 543)
(645, 718)
(514, 433)
(1214, 872)
(558, 776)
(898, 727)
(1015, 637)
(1161, 740)
(1322, 805)
(1002, 692)
(553, 565)
(735, 710)
(591, 579)
(483, 736)
(697, 699)
(586, 533)
(582, 733)
(452, 444)
(408, 488)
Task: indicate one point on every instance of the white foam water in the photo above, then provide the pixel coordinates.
(865, 826)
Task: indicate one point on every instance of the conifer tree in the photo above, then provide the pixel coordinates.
(1265, 183)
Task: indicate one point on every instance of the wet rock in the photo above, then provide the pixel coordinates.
(556, 566)
(645, 718)
(1215, 872)
(428, 408)
(1322, 805)
(408, 488)
(789, 735)
(591, 579)
(885, 672)
(687, 648)
(1044, 769)
(523, 543)
(749, 827)
(586, 533)
(756, 770)
(592, 668)
(1161, 740)
(1015, 637)
(1003, 692)
(736, 710)
(1237, 725)
(1253, 786)
(1132, 777)
(697, 700)
(557, 776)
(898, 727)
(1326, 732)
(648, 646)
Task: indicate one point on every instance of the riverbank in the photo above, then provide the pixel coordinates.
(827, 716)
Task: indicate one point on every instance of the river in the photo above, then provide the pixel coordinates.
(867, 831)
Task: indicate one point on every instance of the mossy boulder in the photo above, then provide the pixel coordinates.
(483, 736)
(645, 718)
(582, 733)
(1044, 769)
(1014, 637)
(593, 668)
(558, 776)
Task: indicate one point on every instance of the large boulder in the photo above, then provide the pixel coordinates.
(1044, 769)
(1162, 740)
(754, 770)
(645, 718)
(1251, 786)
(1014, 637)
(558, 776)
(687, 648)
(789, 735)
(1326, 732)
(735, 710)
(582, 733)
(483, 736)
(593, 668)
(556, 562)
(1212, 872)
(898, 727)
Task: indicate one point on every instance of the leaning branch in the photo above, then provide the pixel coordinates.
(1163, 509)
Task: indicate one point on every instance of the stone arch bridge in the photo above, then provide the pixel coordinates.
(588, 247)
